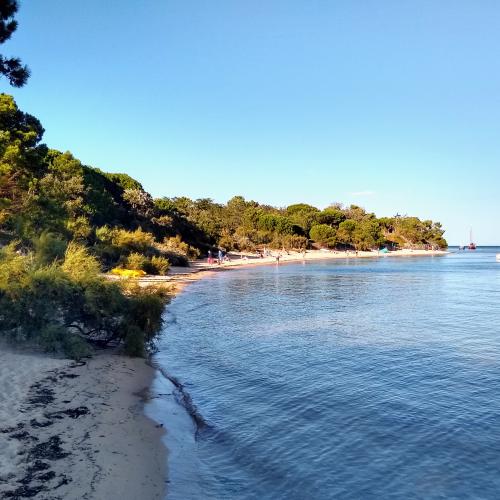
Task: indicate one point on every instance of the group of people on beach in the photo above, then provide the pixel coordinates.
(221, 257)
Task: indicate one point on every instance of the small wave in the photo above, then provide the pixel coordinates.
(184, 398)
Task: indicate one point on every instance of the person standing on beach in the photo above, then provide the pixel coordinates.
(210, 259)
(220, 256)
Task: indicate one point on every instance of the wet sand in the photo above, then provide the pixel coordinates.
(79, 431)
(76, 431)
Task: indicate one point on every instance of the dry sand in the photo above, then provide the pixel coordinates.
(179, 277)
(74, 431)
(70, 431)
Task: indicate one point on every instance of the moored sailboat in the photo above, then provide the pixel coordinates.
(472, 245)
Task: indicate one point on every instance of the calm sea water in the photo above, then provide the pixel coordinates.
(349, 379)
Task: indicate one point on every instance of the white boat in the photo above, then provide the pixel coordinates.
(498, 257)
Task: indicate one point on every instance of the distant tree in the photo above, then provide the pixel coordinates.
(234, 212)
(367, 235)
(124, 181)
(324, 235)
(21, 158)
(140, 200)
(358, 213)
(11, 68)
(299, 207)
(332, 216)
(303, 215)
(345, 233)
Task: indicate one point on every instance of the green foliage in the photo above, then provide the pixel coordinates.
(20, 160)
(158, 265)
(367, 235)
(363, 234)
(61, 306)
(275, 223)
(49, 248)
(289, 241)
(133, 241)
(357, 214)
(136, 261)
(144, 318)
(79, 264)
(332, 216)
(411, 232)
(345, 233)
(55, 338)
(63, 222)
(303, 216)
(324, 235)
(300, 207)
(177, 246)
(134, 341)
(11, 68)
(124, 181)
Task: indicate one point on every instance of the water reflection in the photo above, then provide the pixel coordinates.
(352, 379)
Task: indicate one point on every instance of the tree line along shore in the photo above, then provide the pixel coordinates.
(63, 223)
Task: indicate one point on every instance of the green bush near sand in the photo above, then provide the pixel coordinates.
(65, 305)
(64, 222)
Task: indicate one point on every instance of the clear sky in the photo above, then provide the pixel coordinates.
(390, 104)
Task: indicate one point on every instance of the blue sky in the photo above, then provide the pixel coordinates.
(392, 105)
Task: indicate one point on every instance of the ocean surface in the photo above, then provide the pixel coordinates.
(355, 379)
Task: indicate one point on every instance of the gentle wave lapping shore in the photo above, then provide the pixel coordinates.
(72, 430)
(182, 276)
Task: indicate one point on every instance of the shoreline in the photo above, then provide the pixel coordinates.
(182, 426)
(180, 277)
(73, 430)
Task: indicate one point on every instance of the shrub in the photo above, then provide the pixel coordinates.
(289, 241)
(176, 245)
(151, 265)
(176, 259)
(133, 241)
(49, 247)
(79, 264)
(158, 265)
(134, 342)
(244, 244)
(80, 228)
(61, 305)
(104, 234)
(144, 318)
(55, 338)
(136, 261)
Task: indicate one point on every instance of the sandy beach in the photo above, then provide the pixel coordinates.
(182, 276)
(78, 431)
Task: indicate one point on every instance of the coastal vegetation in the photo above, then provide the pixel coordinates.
(63, 223)
(11, 67)
(57, 299)
(247, 226)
